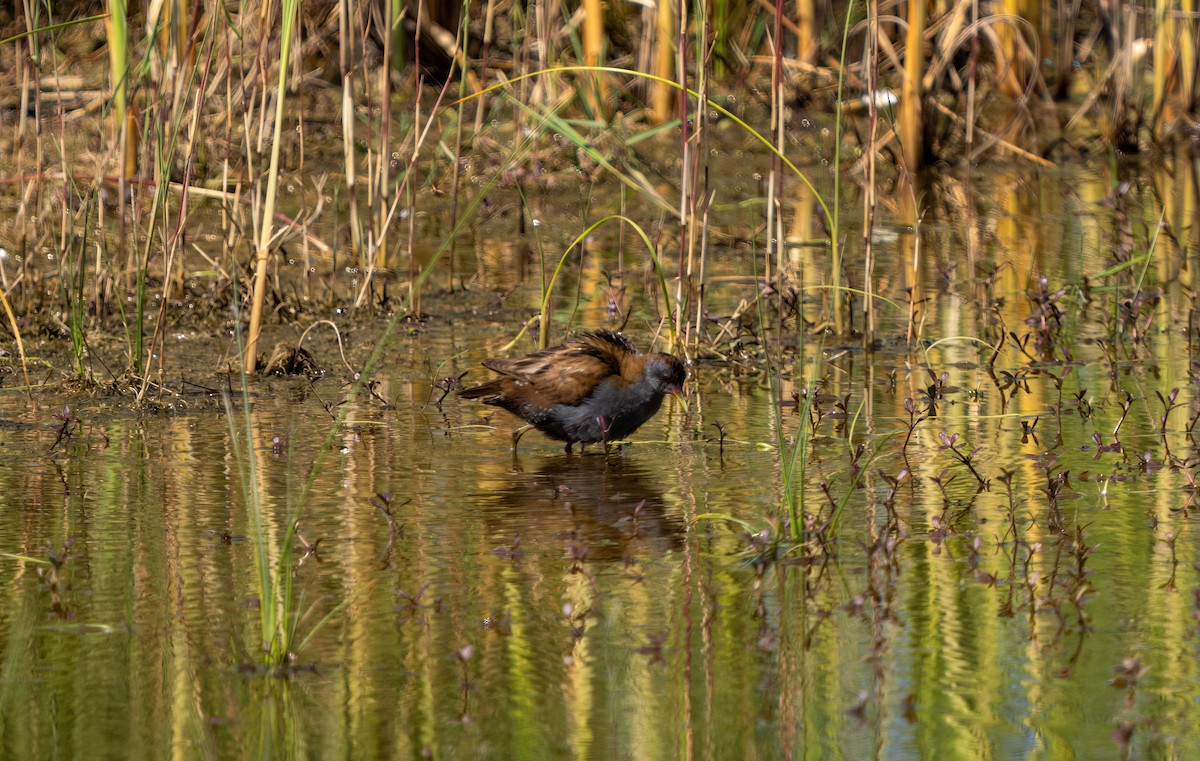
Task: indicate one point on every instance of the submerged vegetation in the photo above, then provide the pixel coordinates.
(932, 265)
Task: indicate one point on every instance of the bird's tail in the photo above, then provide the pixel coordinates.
(488, 393)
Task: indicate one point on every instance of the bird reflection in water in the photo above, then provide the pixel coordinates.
(606, 509)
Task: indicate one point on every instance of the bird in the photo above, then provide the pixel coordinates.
(595, 387)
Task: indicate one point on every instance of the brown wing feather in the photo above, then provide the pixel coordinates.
(615, 345)
(565, 374)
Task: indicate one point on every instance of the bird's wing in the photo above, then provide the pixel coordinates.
(617, 345)
(567, 374)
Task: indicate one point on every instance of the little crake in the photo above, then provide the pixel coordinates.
(596, 387)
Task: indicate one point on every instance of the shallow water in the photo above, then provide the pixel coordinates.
(641, 604)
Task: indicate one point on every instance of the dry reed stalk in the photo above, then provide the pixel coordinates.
(808, 36)
(407, 185)
(791, 26)
(345, 55)
(25, 83)
(621, 234)
(489, 24)
(1164, 54)
(595, 84)
(167, 22)
(775, 173)
(16, 331)
(1174, 66)
(128, 157)
(972, 75)
(664, 58)
(130, 141)
(460, 116)
(414, 292)
(378, 254)
(685, 285)
(912, 97)
(28, 84)
(1122, 131)
(645, 50)
(1015, 61)
(32, 197)
(173, 248)
(992, 140)
(228, 226)
(250, 361)
(700, 288)
(539, 42)
(1007, 52)
(526, 88)
(869, 189)
(907, 215)
(1187, 53)
(687, 179)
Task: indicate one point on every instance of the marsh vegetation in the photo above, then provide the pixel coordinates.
(928, 491)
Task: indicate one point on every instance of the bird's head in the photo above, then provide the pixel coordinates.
(666, 373)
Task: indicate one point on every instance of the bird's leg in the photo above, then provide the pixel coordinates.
(568, 449)
(517, 434)
(605, 427)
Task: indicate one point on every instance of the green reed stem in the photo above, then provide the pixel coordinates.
(794, 461)
(117, 31)
(75, 300)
